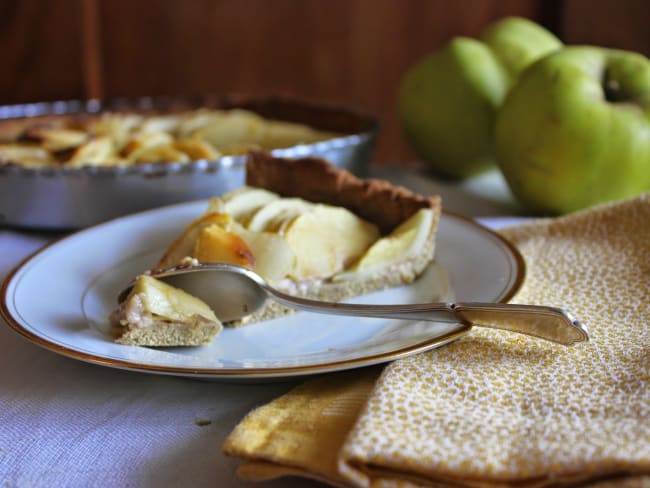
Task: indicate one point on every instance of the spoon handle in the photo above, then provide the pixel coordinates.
(549, 323)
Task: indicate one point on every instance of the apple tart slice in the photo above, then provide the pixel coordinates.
(312, 230)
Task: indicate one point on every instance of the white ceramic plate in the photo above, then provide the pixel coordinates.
(60, 299)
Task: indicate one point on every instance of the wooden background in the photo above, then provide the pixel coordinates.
(349, 51)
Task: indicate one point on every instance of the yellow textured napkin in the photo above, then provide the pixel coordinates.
(493, 409)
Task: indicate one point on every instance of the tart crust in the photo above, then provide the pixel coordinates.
(316, 180)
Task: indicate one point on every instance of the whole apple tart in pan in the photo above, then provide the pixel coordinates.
(78, 163)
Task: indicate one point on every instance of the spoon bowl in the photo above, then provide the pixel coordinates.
(233, 292)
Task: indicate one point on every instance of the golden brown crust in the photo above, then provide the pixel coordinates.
(167, 334)
(318, 181)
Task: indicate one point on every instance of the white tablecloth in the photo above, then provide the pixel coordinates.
(67, 423)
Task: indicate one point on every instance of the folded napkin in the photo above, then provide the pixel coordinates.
(493, 409)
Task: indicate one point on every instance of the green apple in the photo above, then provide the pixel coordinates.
(575, 130)
(447, 102)
(518, 42)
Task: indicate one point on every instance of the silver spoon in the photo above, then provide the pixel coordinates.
(234, 292)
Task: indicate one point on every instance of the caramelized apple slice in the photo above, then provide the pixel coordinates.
(215, 244)
(96, 152)
(183, 246)
(57, 139)
(142, 142)
(116, 126)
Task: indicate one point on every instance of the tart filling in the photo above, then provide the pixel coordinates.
(310, 230)
(117, 139)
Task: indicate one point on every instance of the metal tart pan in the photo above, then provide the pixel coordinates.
(60, 198)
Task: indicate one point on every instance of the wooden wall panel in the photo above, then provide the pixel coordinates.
(623, 24)
(345, 51)
(348, 51)
(41, 50)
